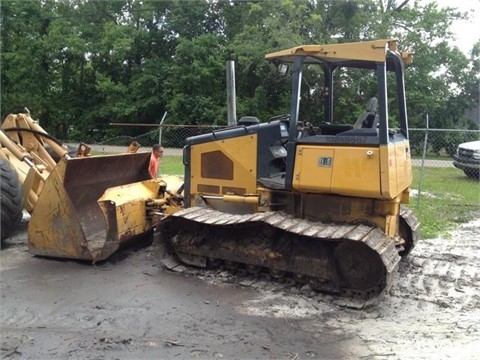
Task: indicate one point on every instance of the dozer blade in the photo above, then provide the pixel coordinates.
(74, 219)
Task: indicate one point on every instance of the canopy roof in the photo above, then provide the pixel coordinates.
(360, 53)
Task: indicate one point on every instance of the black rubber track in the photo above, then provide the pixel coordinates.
(330, 254)
(11, 199)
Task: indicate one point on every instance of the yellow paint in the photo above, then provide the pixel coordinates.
(242, 151)
(366, 50)
(54, 229)
(375, 172)
(341, 170)
(396, 169)
(61, 229)
(240, 199)
(129, 205)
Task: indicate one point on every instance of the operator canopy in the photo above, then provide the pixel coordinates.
(361, 54)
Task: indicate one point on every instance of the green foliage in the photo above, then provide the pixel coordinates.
(195, 79)
(85, 64)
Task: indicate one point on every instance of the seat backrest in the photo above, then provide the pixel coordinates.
(369, 118)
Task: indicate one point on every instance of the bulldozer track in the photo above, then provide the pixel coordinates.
(188, 237)
(409, 230)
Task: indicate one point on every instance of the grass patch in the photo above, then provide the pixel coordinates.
(432, 157)
(447, 198)
(171, 165)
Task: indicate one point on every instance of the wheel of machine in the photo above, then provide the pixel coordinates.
(301, 279)
(253, 269)
(11, 199)
(277, 274)
(213, 263)
(358, 266)
(231, 265)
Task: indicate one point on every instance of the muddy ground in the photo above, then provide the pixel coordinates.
(130, 308)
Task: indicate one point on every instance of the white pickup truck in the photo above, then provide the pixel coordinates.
(467, 158)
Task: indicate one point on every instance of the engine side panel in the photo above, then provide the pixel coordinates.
(225, 166)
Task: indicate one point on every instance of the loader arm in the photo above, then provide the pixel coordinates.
(24, 144)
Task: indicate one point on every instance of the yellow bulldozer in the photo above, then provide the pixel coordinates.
(321, 203)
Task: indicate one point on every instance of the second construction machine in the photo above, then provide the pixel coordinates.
(322, 204)
(73, 213)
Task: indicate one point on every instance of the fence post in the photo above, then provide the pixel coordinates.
(160, 128)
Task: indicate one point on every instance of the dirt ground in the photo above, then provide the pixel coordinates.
(131, 308)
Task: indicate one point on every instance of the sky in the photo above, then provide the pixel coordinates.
(467, 33)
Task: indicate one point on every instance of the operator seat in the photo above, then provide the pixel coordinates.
(369, 119)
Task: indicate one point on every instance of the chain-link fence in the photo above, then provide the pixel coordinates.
(438, 145)
(435, 148)
(171, 137)
(430, 147)
(432, 158)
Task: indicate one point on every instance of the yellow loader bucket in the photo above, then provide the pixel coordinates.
(71, 218)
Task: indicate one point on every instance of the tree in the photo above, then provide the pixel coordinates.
(24, 62)
(88, 63)
(195, 87)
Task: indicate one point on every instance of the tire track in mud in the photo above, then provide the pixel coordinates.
(445, 272)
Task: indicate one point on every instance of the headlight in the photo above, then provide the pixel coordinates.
(476, 155)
